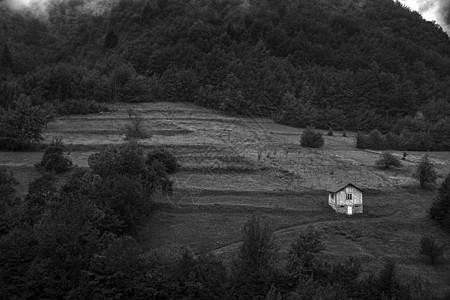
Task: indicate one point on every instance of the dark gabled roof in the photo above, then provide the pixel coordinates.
(339, 187)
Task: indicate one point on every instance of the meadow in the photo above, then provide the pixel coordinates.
(234, 167)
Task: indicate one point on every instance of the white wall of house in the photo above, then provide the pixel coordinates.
(341, 200)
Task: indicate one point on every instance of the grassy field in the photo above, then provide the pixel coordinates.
(234, 167)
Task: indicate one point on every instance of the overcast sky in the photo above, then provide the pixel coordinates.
(431, 10)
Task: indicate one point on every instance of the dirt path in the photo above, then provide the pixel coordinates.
(295, 228)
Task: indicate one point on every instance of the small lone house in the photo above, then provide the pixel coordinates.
(346, 199)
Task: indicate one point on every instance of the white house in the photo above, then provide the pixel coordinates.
(346, 198)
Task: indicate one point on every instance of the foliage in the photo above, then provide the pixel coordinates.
(425, 173)
(431, 248)
(304, 252)
(80, 107)
(388, 160)
(440, 209)
(111, 40)
(22, 125)
(311, 138)
(165, 157)
(124, 197)
(7, 189)
(53, 158)
(258, 250)
(135, 130)
(125, 159)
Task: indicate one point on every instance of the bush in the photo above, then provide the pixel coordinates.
(388, 160)
(311, 138)
(80, 107)
(425, 173)
(165, 157)
(54, 159)
(430, 247)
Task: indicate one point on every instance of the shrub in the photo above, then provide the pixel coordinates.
(54, 159)
(425, 173)
(431, 248)
(80, 107)
(330, 132)
(165, 157)
(311, 138)
(135, 130)
(388, 160)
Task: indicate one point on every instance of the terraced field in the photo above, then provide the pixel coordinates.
(235, 167)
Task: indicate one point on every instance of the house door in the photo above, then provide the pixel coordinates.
(349, 210)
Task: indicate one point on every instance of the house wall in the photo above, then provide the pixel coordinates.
(340, 202)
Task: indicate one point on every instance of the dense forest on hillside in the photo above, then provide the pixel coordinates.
(356, 65)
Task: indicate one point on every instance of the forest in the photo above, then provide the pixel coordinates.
(347, 65)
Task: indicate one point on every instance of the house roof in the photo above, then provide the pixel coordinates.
(338, 187)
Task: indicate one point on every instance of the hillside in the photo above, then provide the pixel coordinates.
(222, 183)
(357, 65)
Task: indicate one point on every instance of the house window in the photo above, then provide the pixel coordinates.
(349, 197)
(332, 195)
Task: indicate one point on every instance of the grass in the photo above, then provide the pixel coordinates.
(235, 167)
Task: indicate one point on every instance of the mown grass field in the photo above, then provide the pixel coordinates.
(234, 167)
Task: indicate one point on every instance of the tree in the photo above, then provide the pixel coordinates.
(53, 158)
(165, 157)
(425, 173)
(311, 138)
(432, 248)
(375, 140)
(258, 249)
(440, 209)
(111, 40)
(22, 125)
(304, 251)
(388, 160)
